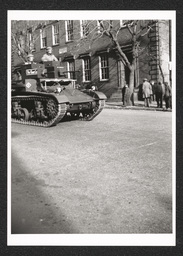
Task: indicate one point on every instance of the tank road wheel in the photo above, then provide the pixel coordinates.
(52, 109)
(95, 106)
(24, 114)
(75, 115)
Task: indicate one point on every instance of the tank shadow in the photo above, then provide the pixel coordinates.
(14, 134)
(32, 211)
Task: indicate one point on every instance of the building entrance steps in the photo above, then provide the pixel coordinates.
(116, 96)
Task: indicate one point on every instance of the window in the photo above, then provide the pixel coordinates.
(43, 38)
(55, 34)
(84, 28)
(104, 67)
(69, 30)
(86, 69)
(71, 69)
(31, 40)
(100, 28)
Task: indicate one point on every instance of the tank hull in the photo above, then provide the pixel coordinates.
(45, 101)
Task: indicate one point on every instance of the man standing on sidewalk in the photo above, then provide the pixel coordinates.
(146, 89)
(159, 91)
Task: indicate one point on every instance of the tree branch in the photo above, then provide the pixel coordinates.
(129, 29)
(149, 28)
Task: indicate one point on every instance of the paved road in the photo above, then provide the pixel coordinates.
(110, 175)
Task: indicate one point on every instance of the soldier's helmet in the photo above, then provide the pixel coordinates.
(30, 57)
(49, 49)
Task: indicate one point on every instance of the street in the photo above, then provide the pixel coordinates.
(112, 175)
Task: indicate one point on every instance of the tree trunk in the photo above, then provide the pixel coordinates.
(130, 99)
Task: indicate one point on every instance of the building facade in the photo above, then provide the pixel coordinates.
(89, 56)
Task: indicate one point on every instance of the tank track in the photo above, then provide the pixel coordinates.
(96, 111)
(61, 111)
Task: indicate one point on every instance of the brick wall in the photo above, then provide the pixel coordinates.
(145, 68)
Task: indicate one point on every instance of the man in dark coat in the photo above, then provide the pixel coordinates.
(168, 94)
(159, 92)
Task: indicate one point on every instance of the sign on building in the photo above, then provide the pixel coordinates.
(62, 50)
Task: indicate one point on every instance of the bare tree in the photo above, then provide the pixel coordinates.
(137, 31)
(24, 37)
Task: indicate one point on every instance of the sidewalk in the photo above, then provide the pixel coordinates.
(139, 105)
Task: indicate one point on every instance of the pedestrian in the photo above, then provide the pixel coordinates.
(167, 96)
(125, 94)
(49, 56)
(147, 91)
(159, 92)
(152, 85)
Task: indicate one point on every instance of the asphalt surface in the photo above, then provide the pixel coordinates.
(110, 175)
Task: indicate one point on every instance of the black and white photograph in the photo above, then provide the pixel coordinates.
(91, 108)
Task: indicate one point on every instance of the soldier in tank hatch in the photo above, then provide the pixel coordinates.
(49, 56)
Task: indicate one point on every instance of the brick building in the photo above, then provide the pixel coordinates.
(89, 56)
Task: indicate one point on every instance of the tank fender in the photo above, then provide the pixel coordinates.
(95, 94)
(62, 98)
(100, 95)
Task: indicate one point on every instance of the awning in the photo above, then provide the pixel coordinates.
(69, 57)
(125, 48)
(102, 51)
(84, 55)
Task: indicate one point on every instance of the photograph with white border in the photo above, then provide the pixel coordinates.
(108, 182)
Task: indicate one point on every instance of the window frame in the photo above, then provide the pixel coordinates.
(82, 31)
(70, 75)
(32, 44)
(86, 71)
(55, 34)
(43, 46)
(100, 29)
(105, 68)
(68, 39)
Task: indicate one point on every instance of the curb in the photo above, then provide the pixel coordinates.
(111, 106)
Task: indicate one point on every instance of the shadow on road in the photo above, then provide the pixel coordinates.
(14, 134)
(32, 211)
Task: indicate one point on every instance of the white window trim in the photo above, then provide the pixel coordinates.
(66, 32)
(81, 30)
(98, 27)
(83, 68)
(100, 71)
(41, 37)
(68, 70)
(53, 37)
(31, 41)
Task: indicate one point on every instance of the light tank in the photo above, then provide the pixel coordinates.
(44, 96)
